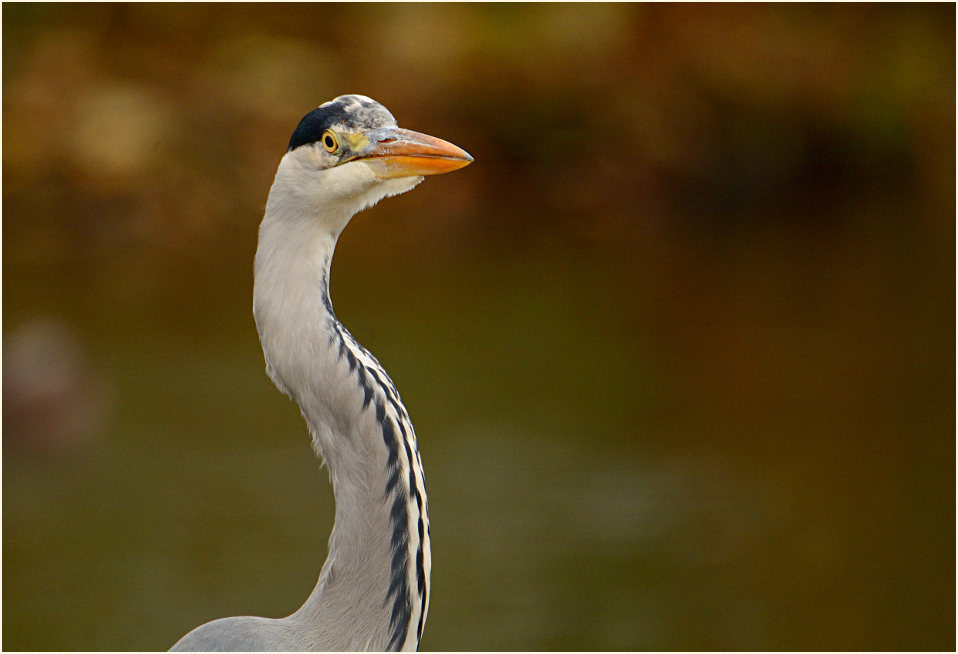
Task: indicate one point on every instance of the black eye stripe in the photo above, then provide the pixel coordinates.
(352, 113)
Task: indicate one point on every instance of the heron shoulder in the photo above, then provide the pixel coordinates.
(238, 634)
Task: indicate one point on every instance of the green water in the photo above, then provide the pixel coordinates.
(575, 502)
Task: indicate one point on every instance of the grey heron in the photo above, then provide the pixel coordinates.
(373, 589)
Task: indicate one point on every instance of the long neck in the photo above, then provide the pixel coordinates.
(373, 590)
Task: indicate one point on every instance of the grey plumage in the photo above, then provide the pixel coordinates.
(373, 590)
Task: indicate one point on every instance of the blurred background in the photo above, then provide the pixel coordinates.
(679, 345)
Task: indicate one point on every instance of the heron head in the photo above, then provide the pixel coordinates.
(356, 149)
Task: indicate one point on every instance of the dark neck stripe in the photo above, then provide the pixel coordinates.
(378, 392)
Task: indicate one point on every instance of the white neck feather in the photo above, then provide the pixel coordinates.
(373, 591)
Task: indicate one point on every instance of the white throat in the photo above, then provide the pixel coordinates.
(300, 188)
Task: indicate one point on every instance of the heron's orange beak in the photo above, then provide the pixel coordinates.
(395, 152)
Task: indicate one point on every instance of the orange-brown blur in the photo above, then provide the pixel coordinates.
(679, 346)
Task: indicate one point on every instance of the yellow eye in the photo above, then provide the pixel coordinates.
(329, 141)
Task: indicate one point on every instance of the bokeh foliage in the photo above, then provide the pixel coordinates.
(679, 345)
